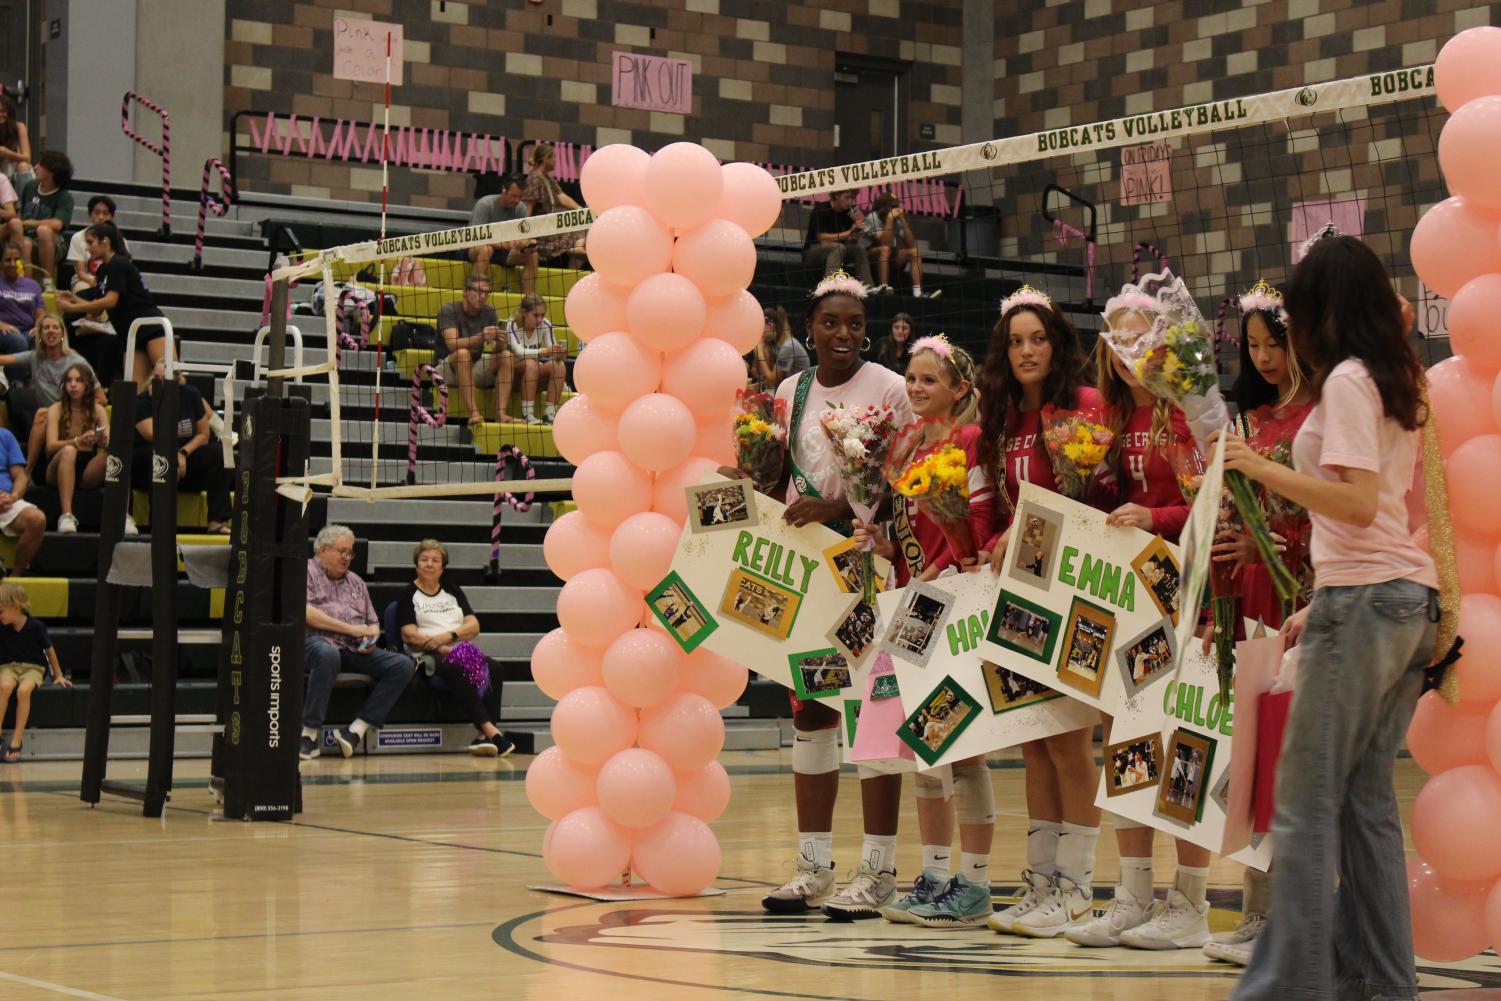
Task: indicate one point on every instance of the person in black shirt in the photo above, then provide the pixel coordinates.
(26, 658)
(200, 459)
(122, 293)
(834, 238)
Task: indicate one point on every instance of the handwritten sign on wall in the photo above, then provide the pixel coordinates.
(1146, 174)
(1347, 214)
(651, 83)
(360, 50)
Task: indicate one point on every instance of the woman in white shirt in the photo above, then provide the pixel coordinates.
(539, 357)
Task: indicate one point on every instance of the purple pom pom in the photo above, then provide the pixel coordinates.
(471, 660)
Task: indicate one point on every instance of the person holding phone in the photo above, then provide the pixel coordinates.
(505, 206)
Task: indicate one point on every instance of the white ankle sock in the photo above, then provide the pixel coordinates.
(359, 727)
(974, 867)
(879, 852)
(817, 847)
(1042, 846)
(936, 857)
(1136, 877)
(528, 408)
(1193, 882)
(310, 732)
(1076, 853)
(917, 291)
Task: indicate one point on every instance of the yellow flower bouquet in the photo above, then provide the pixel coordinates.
(1078, 442)
(939, 482)
(760, 437)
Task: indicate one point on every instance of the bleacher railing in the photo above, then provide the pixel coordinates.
(163, 150)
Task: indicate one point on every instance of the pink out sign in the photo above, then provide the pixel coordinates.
(651, 83)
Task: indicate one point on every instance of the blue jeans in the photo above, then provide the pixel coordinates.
(391, 672)
(1359, 677)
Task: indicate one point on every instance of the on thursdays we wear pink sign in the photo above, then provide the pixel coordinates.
(651, 83)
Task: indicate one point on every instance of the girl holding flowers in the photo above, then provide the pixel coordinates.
(1034, 360)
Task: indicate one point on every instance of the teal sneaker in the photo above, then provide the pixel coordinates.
(962, 904)
(924, 888)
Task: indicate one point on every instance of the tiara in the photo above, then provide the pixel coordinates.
(1327, 231)
(938, 344)
(1129, 298)
(840, 282)
(1026, 296)
(1261, 297)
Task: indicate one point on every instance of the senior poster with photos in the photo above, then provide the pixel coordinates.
(750, 587)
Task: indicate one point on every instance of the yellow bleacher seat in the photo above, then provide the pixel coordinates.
(533, 439)
(562, 507)
(485, 399)
(48, 595)
(192, 509)
(442, 273)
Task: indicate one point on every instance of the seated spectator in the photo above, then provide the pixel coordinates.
(77, 430)
(86, 266)
(895, 349)
(122, 293)
(19, 518)
(540, 359)
(505, 207)
(200, 459)
(341, 632)
(834, 237)
(543, 195)
(892, 241)
(27, 656)
(465, 330)
(15, 144)
(46, 209)
(21, 303)
(437, 623)
(779, 354)
(45, 366)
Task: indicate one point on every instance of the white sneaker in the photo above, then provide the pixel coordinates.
(534, 419)
(864, 896)
(1063, 904)
(67, 524)
(1236, 946)
(1179, 924)
(95, 326)
(804, 892)
(1104, 930)
(1034, 886)
(130, 526)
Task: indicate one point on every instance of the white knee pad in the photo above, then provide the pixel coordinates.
(937, 784)
(1124, 823)
(974, 796)
(815, 752)
(866, 772)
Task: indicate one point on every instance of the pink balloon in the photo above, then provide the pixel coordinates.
(1448, 916)
(626, 245)
(560, 664)
(586, 850)
(716, 439)
(703, 794)
(679, 856)
(1468, 148)
(1461, 396)
(596, 606)
(666, 311)
(590, 726)
(636, 788)
(1454, 821)
(642, 667)
(1493, 744)
(683, 185)
(574, 544)
(612, 176)
(718, 257)
(556, 785)
(716, 678)
(1471, 321)
(582, 427)
(736, 319)
(1453, 243)
(1474, 476)
(595, 307)
(704, 375)
(642, 548)
(657, 432)
(608, 488)
(614, 369)
(1442, 736)
(752, 199)
(686, 730)
(1479, 668)
(1468, 66)
(1476, 559)
(667, 493)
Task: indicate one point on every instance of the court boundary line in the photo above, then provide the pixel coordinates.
(47, 985)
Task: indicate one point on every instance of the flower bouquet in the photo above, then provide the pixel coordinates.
(1285, 518)
(939, 482)
(859, 439)
(760, 437)
(1188, 469)
(1078, 442)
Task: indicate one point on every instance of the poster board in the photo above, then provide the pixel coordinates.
(360, 50)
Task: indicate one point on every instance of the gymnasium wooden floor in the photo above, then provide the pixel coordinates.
(406, 878)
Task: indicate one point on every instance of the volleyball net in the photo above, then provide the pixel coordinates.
(1222, 192)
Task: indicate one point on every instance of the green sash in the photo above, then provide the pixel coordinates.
(800, 481)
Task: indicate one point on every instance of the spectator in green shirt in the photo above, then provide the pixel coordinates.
(46, 208)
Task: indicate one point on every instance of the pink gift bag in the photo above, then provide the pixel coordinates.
(880, 719)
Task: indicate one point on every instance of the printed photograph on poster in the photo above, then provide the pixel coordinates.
(1220, 793)
(917, 626)
(843, 561)
(1134, 764)
(939, 720)
(1181, 793)
(818, 674)
(1086, 645)
(758, 603)
(851, 720)
(854, 632)
(1009, 690)
(885, 686)
(1036, 554)
(715, 507)
(680, 612)
(1163, 578)
(1148, 657)
(1025, 628)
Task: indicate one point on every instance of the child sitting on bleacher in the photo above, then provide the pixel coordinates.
(540, 359)
(27, 656)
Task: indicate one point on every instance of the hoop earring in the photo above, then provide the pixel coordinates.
(809, 342)
(866, 345)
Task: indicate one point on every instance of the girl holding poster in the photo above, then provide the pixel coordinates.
(1034, 360)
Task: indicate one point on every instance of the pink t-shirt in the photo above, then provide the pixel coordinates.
(871, 385)
(1349, 428)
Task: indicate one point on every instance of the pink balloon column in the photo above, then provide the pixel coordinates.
(632, 783)
(1455, 886)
